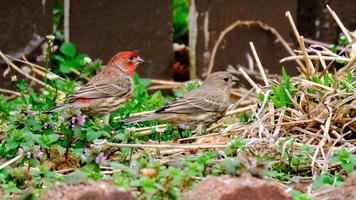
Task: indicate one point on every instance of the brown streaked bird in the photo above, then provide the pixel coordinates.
(109, 89)
(198, 108)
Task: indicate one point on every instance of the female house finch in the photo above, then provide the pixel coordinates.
(109, 89)
(198, 108)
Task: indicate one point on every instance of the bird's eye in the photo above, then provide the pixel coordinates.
(226, 79)
(131, 58)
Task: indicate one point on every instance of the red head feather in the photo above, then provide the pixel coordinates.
(124, 59)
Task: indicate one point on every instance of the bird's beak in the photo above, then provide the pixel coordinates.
(140, 60)
(235, 80)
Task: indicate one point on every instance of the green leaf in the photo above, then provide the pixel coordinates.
(53, 138)
(92, 134)
(12, 143)
(146, 183)
(286, 78)
(299, 196)
(59, 58)
(326, 79)
(68, 49)
(347, 166)
(276, 174)
(325, 179)
(65, 69)
(261, 96)
(343, 41)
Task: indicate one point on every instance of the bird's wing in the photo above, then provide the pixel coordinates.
(192, 105)
(103, 87)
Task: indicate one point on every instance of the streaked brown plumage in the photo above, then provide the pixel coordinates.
(109, 89)
(198, 108)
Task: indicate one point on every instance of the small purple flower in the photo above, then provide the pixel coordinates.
(38, 155)
(268, 165)
(81, 120)
(28, 154)
(85, 155)
(45, 126)
(101, 157)
(20, 151)
(253, 163)
(71, 122)
(28, 107)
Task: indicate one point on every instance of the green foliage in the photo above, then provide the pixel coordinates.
(68, 60)
(179, 92)
(328, 179)
(346, 159)
(300, 196)
(341, 42)
(233, 146)
(43, 138)
(57, 21)
(180, 19)
(280, 95)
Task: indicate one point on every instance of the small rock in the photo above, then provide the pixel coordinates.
(98, 190)
(149, 172)
(232, 188)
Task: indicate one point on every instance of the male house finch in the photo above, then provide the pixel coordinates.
(198, 108)
(109, 89)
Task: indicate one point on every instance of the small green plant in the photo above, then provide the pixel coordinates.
(69, 60)
(281, 95)
(328, 179)
(234, 146)
(341, 42)
(346, 160)
(300, 196)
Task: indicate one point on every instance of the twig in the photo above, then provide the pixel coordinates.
(341, 25)
(165, 82)
(11, 161)
(239, 110)
(259, 24)
(20, 71)
(327, 45)
(166, 146)
(295, 31)
(259, 64)
(315, 57)
(310, 67)
(10, 63)
(254, 85)
(9, 92)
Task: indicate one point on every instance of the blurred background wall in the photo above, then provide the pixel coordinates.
(101, 28)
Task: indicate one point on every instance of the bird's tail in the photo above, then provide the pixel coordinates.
(141, 118)
(58, 108)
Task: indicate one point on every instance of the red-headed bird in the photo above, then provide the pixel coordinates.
(109, 89)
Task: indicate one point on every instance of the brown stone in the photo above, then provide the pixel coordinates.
(102, 28)
(231, 188)
(98, 190)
